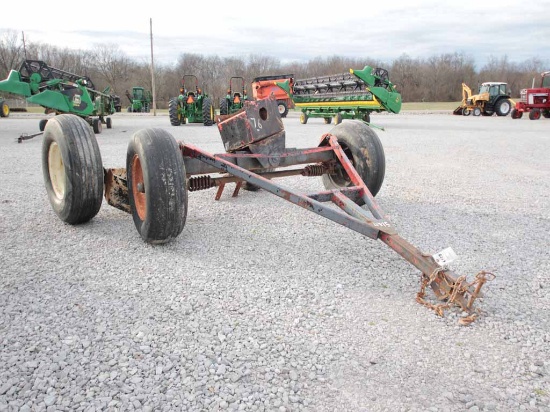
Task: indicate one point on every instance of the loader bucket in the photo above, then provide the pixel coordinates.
(458, 111)
(13, 84)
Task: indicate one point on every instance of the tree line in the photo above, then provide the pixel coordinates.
(435, 79)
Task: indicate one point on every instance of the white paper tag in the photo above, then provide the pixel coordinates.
(445, 257)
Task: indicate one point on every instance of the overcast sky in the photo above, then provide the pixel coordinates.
(292, 30)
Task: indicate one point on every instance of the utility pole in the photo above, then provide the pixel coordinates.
(24, 45)
(153, 70)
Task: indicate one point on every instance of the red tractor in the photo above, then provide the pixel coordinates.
(536, 101)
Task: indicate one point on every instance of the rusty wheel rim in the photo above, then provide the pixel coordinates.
(138, 188)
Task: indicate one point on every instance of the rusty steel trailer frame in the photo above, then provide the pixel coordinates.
(160, 172)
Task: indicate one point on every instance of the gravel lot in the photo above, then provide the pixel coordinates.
(262, 306)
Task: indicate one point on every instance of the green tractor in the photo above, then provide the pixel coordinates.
(58, 91)
(140, 100)
(234, 101)
(191, 106)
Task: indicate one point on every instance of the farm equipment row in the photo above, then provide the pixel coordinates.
(59, 91)
(353, 95)
(160, 171)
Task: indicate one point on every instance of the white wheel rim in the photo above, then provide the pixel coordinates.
(281, 109)
(56, 170)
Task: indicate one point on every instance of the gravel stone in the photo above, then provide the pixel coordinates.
(260, 305)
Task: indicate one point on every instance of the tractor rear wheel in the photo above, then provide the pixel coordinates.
(503, 107)
(157, 188)
(173, 112)
(72, 169)
(534, 114)
(207, 112)
(4, 109)
(224, 106)
(363, 147)
(282, 107)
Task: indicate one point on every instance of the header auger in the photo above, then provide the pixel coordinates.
(160, 171)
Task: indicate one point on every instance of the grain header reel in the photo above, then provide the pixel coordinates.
(353, 95)
(61, 92)
(160, 172)
(192, 105)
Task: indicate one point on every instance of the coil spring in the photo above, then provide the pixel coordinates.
(200, 183)
(314, 170)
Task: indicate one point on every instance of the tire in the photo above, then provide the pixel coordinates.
(282, 107)
(366, 117)
(157, 188)
(546, 114)
(337, 118)
(534, 114)
(303, 118)
(224, 106)
(97, 126)
(466, 112)
(515, 114)
(328, 120)
(207, 112)
(363, 147)
(503, 107)
(109, 123)
(130, 110)
(173, 112)
(72, 169)
(476, 111)
(42, 124)
(4, 109)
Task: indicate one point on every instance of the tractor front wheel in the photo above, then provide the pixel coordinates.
(466, 112)
(173, 112)
(476, 111)
(364, 149)
(207, 112)
(72, 169)
(534, 114)
(157, 188)
(516, 114)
